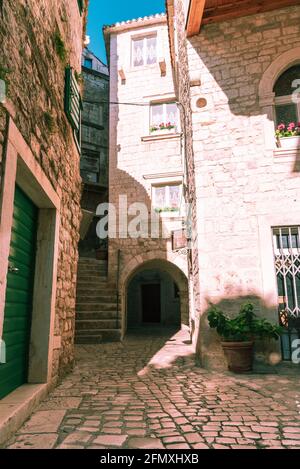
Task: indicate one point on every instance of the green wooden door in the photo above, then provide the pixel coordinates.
(18, 304)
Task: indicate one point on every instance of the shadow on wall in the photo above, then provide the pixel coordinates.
(209, 347)
(232, 77)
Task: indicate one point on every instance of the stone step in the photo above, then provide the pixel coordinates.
(92, 267)
(89, 274)
(96, 298)
(97, 307)
(92, 281)
(94, 315)
(90, 261)
(96, 291)
(100, 337)
(97, 325)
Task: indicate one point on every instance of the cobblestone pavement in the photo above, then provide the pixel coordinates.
(148, 393)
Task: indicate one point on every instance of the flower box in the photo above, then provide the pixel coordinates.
(289, 143)
(163, 128)
(163, 131)
(288, 136)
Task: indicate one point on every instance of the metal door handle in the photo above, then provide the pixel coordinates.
(12, 269)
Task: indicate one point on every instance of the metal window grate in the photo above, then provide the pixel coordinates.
(286, 242)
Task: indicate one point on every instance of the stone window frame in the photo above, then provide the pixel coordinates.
(165, 180)
(159, 99)
(144, 36)
(266, 94)
(21, 167)
(177, 183)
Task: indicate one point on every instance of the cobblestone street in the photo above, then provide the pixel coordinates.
(147, 393)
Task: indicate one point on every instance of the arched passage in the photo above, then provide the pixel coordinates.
(155, 293)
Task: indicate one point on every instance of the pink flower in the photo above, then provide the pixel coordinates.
(281, 127)
(291, 126)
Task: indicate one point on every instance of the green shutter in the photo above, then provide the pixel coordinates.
(73, 103)
(80, 5)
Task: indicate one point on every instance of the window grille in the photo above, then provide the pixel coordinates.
(286, 242)
(73, 104)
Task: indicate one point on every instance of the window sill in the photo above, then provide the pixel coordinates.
(158, 136)
(285, 152)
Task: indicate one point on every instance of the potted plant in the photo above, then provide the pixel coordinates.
(163, 128)
(239, 333)
(288, 136)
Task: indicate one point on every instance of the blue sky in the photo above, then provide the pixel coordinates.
(103, 12)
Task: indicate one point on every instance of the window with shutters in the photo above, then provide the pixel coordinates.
(73, 104)
(144, 51)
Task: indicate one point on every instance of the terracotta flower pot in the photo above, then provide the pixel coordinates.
(239, 356)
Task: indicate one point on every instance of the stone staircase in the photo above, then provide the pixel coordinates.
(96, 305)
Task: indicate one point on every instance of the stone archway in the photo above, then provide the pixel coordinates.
(164, 269)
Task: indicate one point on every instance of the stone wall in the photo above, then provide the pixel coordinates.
(182, 80)
(244, 186)
(38, 39)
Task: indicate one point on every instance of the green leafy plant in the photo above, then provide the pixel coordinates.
(60, 46)
(162, 126)
(49, 122)
(245, 326)
(167, 209)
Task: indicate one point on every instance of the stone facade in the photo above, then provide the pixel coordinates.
(244, 185)
(38, 40)
(94, 145)
(138, 158)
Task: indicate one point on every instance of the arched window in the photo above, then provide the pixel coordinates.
(286, 106)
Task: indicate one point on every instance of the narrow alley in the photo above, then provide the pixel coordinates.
(147, 392)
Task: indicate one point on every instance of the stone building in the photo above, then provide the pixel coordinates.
(237, 70)
(41, 48)
(146, 166)
(94, 147)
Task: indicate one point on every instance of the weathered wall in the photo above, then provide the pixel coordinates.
(133, 161)
(243, 186)
(183, 83)
(38, 39)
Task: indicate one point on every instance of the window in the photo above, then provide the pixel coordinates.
(167, 198)
(73, 104)
(287, 110)
(164, 117)
(144, 51)
(286, 243)
(88, 63)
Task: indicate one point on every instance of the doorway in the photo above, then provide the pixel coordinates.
(19, 294)
(151, 303)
